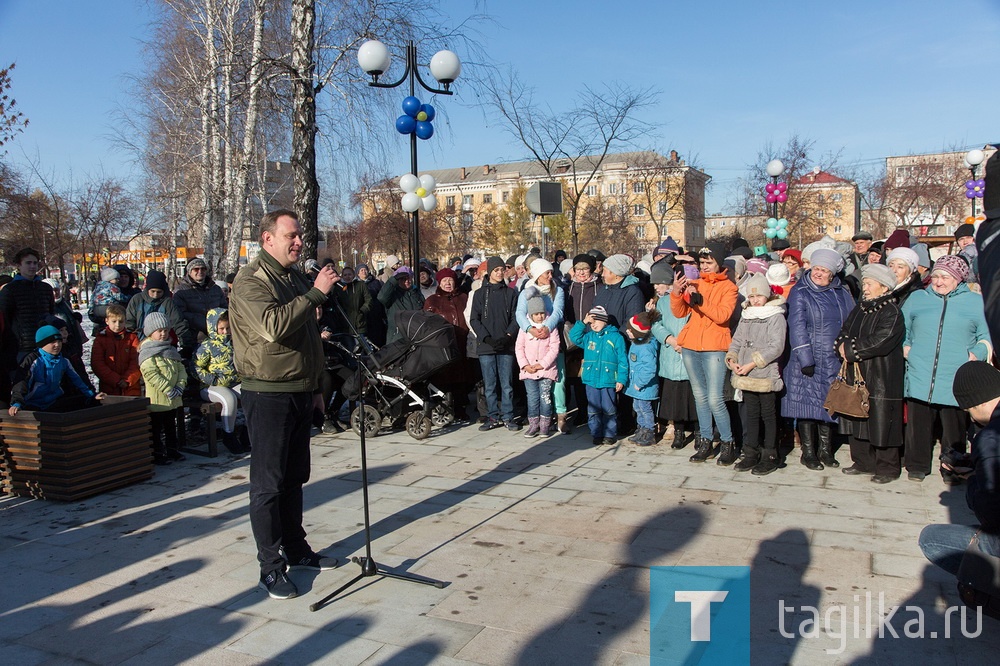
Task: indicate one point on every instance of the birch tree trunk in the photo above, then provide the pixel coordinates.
(305, 185)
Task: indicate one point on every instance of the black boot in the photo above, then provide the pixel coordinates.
(727, 453)
(680, 436)
(826, 457)
(768, 463)
(231, 442)
(748, 461)
(807, 440)
(703, 450)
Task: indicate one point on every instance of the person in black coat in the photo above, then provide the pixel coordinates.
(23, 303)
(872, 337)
(494, 322)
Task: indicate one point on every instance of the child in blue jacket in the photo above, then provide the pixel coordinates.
(605, 371)
(643, 383)
(45, 380)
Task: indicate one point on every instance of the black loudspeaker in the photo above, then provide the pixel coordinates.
(544, 198)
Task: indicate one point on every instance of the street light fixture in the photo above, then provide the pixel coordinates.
(974, 188)
(774, 194)
(374, 59)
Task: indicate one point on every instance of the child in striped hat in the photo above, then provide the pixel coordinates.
(643, 382)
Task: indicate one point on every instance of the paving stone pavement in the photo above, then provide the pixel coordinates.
(545, 546)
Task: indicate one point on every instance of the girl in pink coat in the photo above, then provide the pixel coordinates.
(536, 357)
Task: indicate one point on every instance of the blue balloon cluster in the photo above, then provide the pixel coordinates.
(416, 119)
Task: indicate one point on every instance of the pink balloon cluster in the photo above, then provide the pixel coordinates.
(776, 193)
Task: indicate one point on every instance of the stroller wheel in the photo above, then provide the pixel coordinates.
(442, 416)
(418, 426)
(373, 421)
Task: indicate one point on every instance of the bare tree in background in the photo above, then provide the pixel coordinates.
(571, 146)
(12, 121)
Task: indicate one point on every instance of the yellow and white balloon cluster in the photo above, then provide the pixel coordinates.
(418, 193)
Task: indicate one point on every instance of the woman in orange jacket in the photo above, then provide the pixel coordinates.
(710, 300)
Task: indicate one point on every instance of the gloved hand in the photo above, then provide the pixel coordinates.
(696, 299)
(488, 341)
(500, 344)
(175, 392)
(809, 370)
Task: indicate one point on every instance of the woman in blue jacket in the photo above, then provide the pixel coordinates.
(817, 307)
(945, 327)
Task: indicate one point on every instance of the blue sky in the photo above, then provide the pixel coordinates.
(871, 78)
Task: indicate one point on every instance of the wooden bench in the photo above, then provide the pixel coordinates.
(209, 411)
(72, 455)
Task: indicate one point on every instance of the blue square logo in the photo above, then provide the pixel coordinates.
(699, 615)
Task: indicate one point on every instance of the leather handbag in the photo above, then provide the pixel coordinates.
(848, 398)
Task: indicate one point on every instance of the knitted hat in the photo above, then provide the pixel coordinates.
(470, 263)
(46, 334)
(905, 255)
(954, 265)
(619, 264)
(539, 266)
(585, 259)
(404, 269)
(154, 321)
(536, 304)
(862, 235)
(643, 266)
(828, 259)
(424, 268)
(519, 261)
(197, 262)
(737, 266)
(898, 238)
(661, 272)
(560, 253)
(493, 263)
(824, 242)
(716, 251)
(565, 266)
(876, 247)
(923, 254)
(391, 261)
(976, 382)
(108, 274)
(778, 275)
(444, 273)
(599, 313)
(641, 325)
(756, 285)
(757, 265)
(357, 269)
(511, 261)
(794, 254)
(880, 273)
(669, 246)
(156, 280)
(964, 230)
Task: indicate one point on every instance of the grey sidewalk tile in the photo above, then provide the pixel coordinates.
(303, 645)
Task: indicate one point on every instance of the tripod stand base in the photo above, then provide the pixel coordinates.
(370, 568)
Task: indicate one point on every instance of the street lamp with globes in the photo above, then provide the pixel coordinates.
(374, 59)
(974, 188)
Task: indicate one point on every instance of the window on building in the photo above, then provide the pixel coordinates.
(638, 210)
(640, 231)
(837, 229)
(819, 214)
(949, 210)
(836, 197)
(449, 201)
(819, 198)
(661, 207)
(487, 198)
(612, 188)
(661, 186)
(837, 212)
(638, 187)
(591, 190)
(467, 219)
(505, 197)
(466, 200)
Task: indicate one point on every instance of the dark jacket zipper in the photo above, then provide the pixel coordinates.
(937, 351)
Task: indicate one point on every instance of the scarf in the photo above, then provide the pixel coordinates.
(151, 348)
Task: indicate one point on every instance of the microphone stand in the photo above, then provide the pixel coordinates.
(369, 567)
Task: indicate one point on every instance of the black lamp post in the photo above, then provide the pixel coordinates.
(373, 56)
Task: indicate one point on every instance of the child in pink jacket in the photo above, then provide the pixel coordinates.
(536, 357)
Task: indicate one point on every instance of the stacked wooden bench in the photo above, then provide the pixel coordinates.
(73, 455)
(209, 411)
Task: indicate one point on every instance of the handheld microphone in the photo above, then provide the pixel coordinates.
(312, 265)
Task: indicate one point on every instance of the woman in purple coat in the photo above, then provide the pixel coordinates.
(817, 307)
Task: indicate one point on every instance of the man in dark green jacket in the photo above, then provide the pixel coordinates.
(278, 353)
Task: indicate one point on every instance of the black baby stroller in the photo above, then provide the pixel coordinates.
(395, 377)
